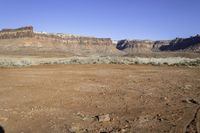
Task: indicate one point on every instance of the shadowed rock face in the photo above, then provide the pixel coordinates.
(191, 44)
(122, 44)
(140, 45)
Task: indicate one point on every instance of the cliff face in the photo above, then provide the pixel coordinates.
(191, 44)
(24, 41)
(184, 44)
(16, 33)
(140, 45)
(67, 39)
(70, 39)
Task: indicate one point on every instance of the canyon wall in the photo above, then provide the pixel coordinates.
(70, 39)
(131, 46)
(191, 44)
(63, 38)
(17, 33)
(24, 41)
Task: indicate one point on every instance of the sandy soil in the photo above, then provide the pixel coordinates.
(100, 98)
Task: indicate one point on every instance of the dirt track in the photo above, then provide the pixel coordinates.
(69, 98)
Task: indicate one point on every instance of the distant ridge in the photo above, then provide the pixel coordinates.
(27, 31)
(24, 41)
(191, 44)
(16, 33)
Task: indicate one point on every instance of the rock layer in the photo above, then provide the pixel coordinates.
(191, 44)
(73, 39)
(24, 41)
(17, 33)
(67, 39)
(140, 45)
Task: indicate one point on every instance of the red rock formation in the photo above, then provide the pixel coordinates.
(62, 38)
(191, 44)
(74, 39)
(16, 33)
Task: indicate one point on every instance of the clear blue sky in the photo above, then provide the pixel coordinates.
(117, 19)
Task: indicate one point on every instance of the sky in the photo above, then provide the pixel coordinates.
(116, 19)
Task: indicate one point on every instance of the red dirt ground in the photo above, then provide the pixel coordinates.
(69, 98)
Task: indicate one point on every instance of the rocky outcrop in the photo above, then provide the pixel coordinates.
(191, 44)
(71, 39)
(183, 44)
(17, 33)
(24, 41)
(63, 38)
(140, 45)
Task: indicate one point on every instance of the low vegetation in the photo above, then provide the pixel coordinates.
(29, 61)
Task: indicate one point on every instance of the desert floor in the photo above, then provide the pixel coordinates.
(100, 98)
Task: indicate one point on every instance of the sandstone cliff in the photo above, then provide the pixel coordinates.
(141, 46)
(16, 33)
(191, 44)
(25, 41)
(183, 44)
(71, 39)
(68, 39)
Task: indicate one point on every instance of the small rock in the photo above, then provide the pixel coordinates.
(87, 118)
(163, 98)
(74, 129)
(187, 87)
(123, 130)
(80, 115)
(158, 117)
(103, 118)
(190, 100)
